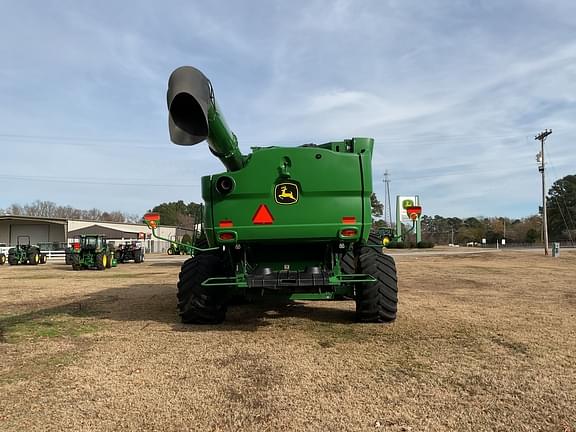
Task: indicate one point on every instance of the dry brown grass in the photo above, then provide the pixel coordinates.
(483, 343)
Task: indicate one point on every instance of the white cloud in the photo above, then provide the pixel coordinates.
(452, 92)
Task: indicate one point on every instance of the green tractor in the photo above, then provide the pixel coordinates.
(384, 235)
(91, 252)
(290, 222)
(25, 253)
(177, 248)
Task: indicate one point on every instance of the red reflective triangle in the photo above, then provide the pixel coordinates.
(262, 216)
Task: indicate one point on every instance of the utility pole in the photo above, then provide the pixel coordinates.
(387, 200)
(540, 158)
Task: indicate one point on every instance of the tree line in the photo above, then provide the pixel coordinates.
(441, 230)
(50, 209)
(561, 208)
(176, 213)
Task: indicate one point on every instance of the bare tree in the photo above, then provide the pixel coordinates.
(52, 210)
(114, 216)
(16, 210)
(41, 209)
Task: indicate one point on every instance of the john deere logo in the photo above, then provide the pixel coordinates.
(286, 193)
(407, 203)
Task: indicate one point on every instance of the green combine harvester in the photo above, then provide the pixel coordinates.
(293, 222)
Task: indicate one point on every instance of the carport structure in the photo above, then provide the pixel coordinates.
(118, 232)
(134, 233)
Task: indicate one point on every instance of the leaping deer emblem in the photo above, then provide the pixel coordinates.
(285, 194)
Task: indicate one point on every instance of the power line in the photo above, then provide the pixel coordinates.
(465, 171)
(94, 182)
(401, 139)
(145, 182)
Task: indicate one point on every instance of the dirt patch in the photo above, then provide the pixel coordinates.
(483, 342)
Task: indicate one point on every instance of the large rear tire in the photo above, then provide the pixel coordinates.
(377, 302)
(75, 260)
(198, 304)
(2, 259)
(34, 258)
(348, 263)
(138, 256)
(101, 261)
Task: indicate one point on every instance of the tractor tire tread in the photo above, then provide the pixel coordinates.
(197, 304)
(377, 302)
(348, 263)
(99, 262)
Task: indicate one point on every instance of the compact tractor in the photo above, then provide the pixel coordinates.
(177, 248)
(129, 251)
(291, 222)
(25, 253)
(92, 251)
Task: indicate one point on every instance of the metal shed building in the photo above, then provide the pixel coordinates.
(56, 231)
(39, 229)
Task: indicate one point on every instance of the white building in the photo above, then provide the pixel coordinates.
(55, 233)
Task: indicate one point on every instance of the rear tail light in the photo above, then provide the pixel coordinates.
(348, 232)
(226, 236)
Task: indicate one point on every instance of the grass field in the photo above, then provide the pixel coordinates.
(483, 342)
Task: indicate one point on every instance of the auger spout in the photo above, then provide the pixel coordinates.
(194, 116)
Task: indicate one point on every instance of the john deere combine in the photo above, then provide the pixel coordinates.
(91, 251)
(287, 221)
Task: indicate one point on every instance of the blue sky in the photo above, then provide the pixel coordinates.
(453, 92)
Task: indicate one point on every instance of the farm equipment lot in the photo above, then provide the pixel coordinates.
(482, 342)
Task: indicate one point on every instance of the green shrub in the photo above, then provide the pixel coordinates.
(425, 244)
(395, 245)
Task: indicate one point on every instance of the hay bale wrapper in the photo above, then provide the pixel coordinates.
(287, 221)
